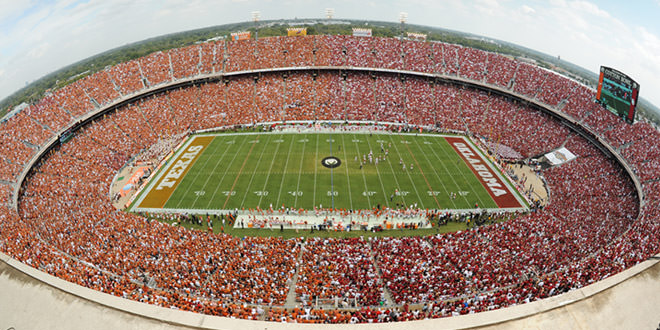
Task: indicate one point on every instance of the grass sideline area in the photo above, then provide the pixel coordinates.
(228, 171)
(290, 233)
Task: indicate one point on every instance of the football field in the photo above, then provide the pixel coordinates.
(228, 171)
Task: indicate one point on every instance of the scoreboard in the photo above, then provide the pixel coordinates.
(618, 93)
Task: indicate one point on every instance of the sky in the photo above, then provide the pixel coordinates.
(39, 37)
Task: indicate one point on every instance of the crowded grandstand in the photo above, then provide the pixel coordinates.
(603, 213)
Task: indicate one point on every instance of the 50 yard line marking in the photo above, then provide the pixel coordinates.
(348, 178)
(269, 171)
(239, 172)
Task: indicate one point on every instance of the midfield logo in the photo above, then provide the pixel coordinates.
(331, 162)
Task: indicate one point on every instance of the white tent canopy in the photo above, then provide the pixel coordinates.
(559, 156)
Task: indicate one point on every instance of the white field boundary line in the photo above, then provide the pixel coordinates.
(161, 171)
(225, 211)
(322, 131)
(497, 172)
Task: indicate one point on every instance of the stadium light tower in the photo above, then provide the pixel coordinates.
(403, 18)
(329, 13)
(256, 16)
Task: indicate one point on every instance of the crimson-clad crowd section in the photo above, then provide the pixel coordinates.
(66, 226)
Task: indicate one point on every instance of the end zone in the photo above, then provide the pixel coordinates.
(159, 192)
(503, 195)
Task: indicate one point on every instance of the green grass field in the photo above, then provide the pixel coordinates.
(260, 170)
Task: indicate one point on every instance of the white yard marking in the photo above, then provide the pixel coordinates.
(419, 197)
(380, 180)
(223, 176)
(302, 160)
(286, 164)
(348, 177)
(364, 178)
(452, 176)
(199, 173)
(247, 189)
(269, 171)
(435, 172)
(316, 172)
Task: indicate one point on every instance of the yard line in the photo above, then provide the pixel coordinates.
(221, 179)
(398, 186)
(379, 179)
(361, 171)
(434, 171)
(302, 159)
(239, 172)
(451, 176)
(270, 169)
(286, 164)
(247, 190)
(192, 183)
(316, 172)
(410, 177)
(348, 178)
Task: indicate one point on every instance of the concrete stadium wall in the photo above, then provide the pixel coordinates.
(31, 299)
